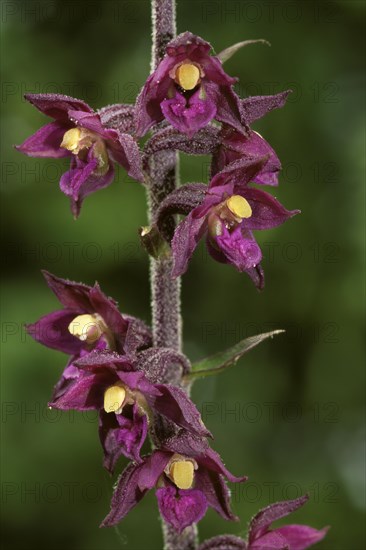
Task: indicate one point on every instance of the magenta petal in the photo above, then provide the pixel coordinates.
(181, 508)
(92, 182)
(188, 115)
(270, 541)
(138, 335)
(71, 181)
(300, 537)
(152, 469)
(174, 404)
(112, 449)
(256, 107)
(227, 105)
(259, 147)
(213, 462)
(83, 179)
(148, 110)
(187, 444)
(51, 330)
(255, 273)
(213, 197)
(267, 212)
(130, 436)
(265, 517)
(184, 242)
(90, 121)
(46, 142)
(122, 435)
(126, 495)
(235, 145)
(239, 172)
(70, 373)
(85, 393)
(97, 360)
(189, 45)
(85, 299)
(243, 253)
(72, 295)
(125, 151)
(257, 276)
(119, 116)
(136, 380)
(106, 307)
(56, 105)
(217, 494)
(214, 72)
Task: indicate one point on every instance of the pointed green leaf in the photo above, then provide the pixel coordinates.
(229, 52)
(225, 359)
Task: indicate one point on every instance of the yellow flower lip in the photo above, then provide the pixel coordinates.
(71, 139)
(182, 473)
(187, 76)
(114, 397)
(239, 206)
(88, 328)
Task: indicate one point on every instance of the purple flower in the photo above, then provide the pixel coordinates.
(234, 146)
(189, 88)
(260, 537)
(227, 215)
(77, 132)
(127, 400)
(289, 537)
(188, 477)
(88, 321)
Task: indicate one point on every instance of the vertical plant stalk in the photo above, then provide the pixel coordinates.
(165, 291)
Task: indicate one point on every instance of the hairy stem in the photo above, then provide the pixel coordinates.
(165, 292)
(163, 180)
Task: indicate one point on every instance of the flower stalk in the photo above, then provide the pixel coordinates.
(165, 291)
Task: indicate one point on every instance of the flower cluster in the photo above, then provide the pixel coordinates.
(113, 366)
(111, 370)
(184, 96)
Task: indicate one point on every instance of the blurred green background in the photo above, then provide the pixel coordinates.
(290, 415)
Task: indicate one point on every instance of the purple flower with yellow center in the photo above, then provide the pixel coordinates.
(188, 477)
(88, 321)
(77, 132)
(227, 213)
(127, 400)
(189, 88)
